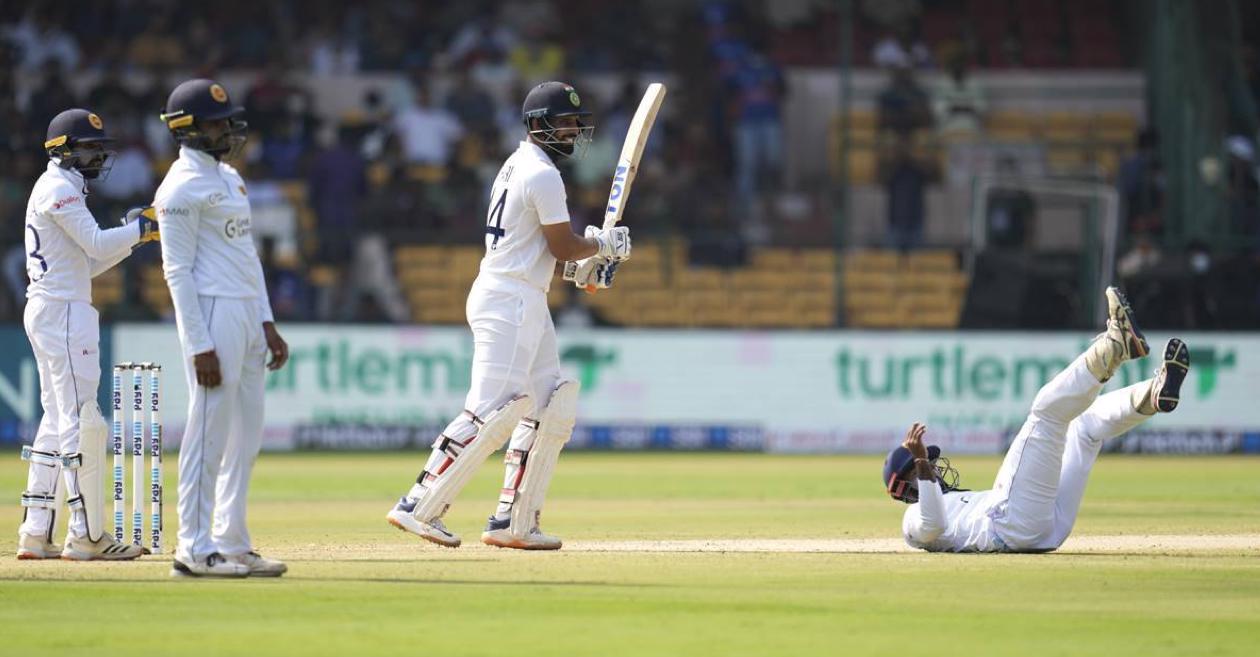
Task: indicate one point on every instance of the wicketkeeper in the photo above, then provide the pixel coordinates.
(65, 249)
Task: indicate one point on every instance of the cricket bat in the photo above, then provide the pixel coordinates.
(628, 162)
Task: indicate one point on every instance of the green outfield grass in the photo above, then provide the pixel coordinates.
(358, 587)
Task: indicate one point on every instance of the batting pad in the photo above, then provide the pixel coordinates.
(434, 491)
(555, 426)
(84, 470)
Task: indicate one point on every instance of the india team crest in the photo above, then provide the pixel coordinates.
(96, 121)
(573, 98)
(218, 93)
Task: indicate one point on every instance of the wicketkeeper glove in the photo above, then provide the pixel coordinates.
(146, 221)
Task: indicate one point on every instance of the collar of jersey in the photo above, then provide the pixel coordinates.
(72, 175)
(198, 158)
(538, 151)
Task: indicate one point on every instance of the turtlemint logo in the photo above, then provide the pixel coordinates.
(1207, 362)
(958, 372)
(588, 359)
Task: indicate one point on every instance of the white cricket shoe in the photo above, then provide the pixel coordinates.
(37, 547)
(80, 548)
(1122, 340)
(215, 565)
(260, 566)
(433, 531)
(498, 533)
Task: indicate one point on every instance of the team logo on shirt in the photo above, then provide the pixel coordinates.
(236, 227)
(96, 121)
(66, 201)
(218, 93)
(243, 192)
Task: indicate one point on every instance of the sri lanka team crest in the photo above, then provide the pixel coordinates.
(218, 93)
(96, 121)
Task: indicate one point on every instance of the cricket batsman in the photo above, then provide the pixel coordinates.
(225, 327)
(1038, 491)
(516, 388)
(65, 249)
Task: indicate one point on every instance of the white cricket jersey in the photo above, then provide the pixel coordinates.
(65, 247)
(958, 521)
(207, 250)
(528, 193)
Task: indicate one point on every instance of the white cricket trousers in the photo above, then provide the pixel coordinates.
(65, 336)
(223, 433)
(1045, 471)
(514, 344)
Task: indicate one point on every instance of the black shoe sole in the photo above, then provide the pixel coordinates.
(1176, 366)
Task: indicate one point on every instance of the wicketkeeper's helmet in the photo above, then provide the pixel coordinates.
(67, 135)
(900, 480)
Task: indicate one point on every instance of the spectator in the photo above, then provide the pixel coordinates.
(285, 145)
(110, 98)
(470, 102)
(758, 90)
(901, 50)
(158, 47)
(40, 41)
(1242, 187)
(331, 52)
(537, 58)
(959, 101)
(49, 99)
(903, 105)
(485, 37)
(337, 184)
(130, 179)
(372, 291)
(1010, 210)
(267, 101)
(287, 289)
(1141, 186)
(905, 178)
(1200, 297)
(428, 133)
(1141, 260)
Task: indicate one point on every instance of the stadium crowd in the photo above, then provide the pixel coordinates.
(335, 195)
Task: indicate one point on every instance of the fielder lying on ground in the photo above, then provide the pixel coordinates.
(1038, 491)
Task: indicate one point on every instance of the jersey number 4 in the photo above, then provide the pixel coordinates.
(494, 222)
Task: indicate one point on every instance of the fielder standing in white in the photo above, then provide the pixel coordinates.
(516, 386)
(225, 329)
(65, 250)
(1034, 501)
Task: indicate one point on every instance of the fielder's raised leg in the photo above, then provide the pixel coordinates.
(65, 250)
(1037, 494)
(517, 391)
